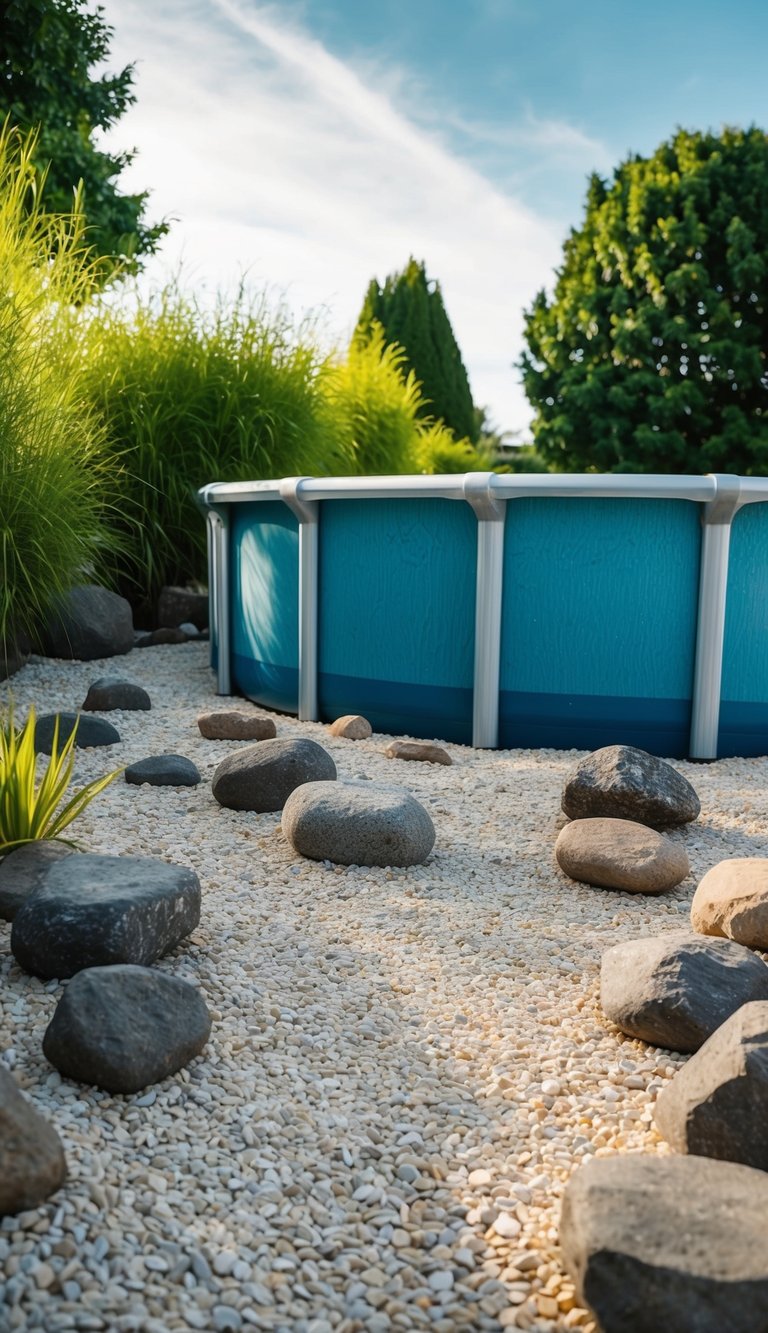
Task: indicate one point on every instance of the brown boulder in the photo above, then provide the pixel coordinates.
(32, 1164)
(732, 901)
(425, 750)
(619, 854)
(231, 725)
(353, 726)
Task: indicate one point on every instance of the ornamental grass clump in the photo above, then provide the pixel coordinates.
(31, 811)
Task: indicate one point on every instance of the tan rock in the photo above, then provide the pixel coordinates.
(732, 901)
(353, 726)
(619, 854)
(32, 1162)
(425, 750)
(231, 725)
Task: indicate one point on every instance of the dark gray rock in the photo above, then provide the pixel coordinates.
(92, 911)
(675, 990)
(160, 636)
(175, 605)
(111, 692)
(620, 782)
(717, 1104)
(23, 871)
(89, 622)
(357, 823)
(90, 731)
(32, 1164)
(668, 1244)
(263, 776)
(15, 650)
(163, 770)
(124, 1027)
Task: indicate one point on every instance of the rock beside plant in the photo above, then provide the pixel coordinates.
(87, 623)
(233, 725)
(262, 777)
(32, 1164)
(111, 692)
(732, 900)
(14, 654)
(122, 1028)
(353, 726)
(675, 990)
(620, 854)
(622, 782)
(426, 751)
(23, 871)
(175, 605)
(668, 1244)
(93, 911)
(163, 770)
(356, 823)
(717, 1104)
(91, 731)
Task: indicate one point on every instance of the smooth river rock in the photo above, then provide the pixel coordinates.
(353, 726)
(732, 900)
(717, 1104)
(357, 823)
(232, 725)
(92, 911)
(425, 751)
(110, 692)
(122, 1028)
(163, 770)
(91, 731)
(32, 1164)
(621, 782)
(668, 1244)
(262, 777)
(22, 871)
(675, 990)
(620, 854)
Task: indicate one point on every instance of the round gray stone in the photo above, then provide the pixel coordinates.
(113, 692)
(620, 854)
(356, 823)
(622, 782)
(23, 871)
(163, 770)
(262, 777)
(91, 731)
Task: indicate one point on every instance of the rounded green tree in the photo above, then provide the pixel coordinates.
(651, 354)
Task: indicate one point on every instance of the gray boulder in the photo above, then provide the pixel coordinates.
(620, 854)
(175, 605)
(32, 1164)
(15, 651)
(88, 622)
(23, 871)
(356, 823)
(717, 1104)
(110, 692)
(92, 911)
(621, 782)
(163, 770)
(122, 1028)
(91, 731)
(160, 636)
(263, 776)
(675, 990)
(668, 1244)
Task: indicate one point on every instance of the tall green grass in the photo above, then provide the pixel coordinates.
(54, 483)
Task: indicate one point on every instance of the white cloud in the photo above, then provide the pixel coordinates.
(278, 158)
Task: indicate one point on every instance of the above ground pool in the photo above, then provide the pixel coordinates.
(521, 610)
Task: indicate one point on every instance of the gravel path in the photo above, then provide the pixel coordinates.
(405, 1065)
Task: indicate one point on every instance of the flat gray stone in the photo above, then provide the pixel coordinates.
(675, 990)
(110, 692)
(622, 782)
(232, 724)
(123, 1028)
(89, 622)
(91, 731)
(32, 1165)
(668, 1244)
(262, 777)
(717, 1104)
(620, 854)
(23, 871)
(357, 823)
(92, 911)
(163, 770)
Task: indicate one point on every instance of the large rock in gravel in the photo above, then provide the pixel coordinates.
(88, 622)
(23, 871)
(353, 725)
(668, 1244)
(109, 692)
(32, 1164)
(176, 605)
(91, 911)
(231, 725)
(163, 770)
(732, 900)
(675, 990)
(425, 751)
(262, 777)
(356, 823)
(122, 1028)
(717, 1104)
(91, 731)
(619, 854)
(620, 782)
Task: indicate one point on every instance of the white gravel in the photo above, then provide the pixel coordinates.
(405, 1065)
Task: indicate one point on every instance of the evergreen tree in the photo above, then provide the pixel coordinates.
(410, 309)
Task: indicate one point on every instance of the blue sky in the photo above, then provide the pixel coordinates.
(317, 143)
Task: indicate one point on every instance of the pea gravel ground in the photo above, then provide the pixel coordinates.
(405, 1065)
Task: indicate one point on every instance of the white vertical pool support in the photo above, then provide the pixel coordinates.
(490, 512)
(306, 512)
(218, 574)
(716, 518)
